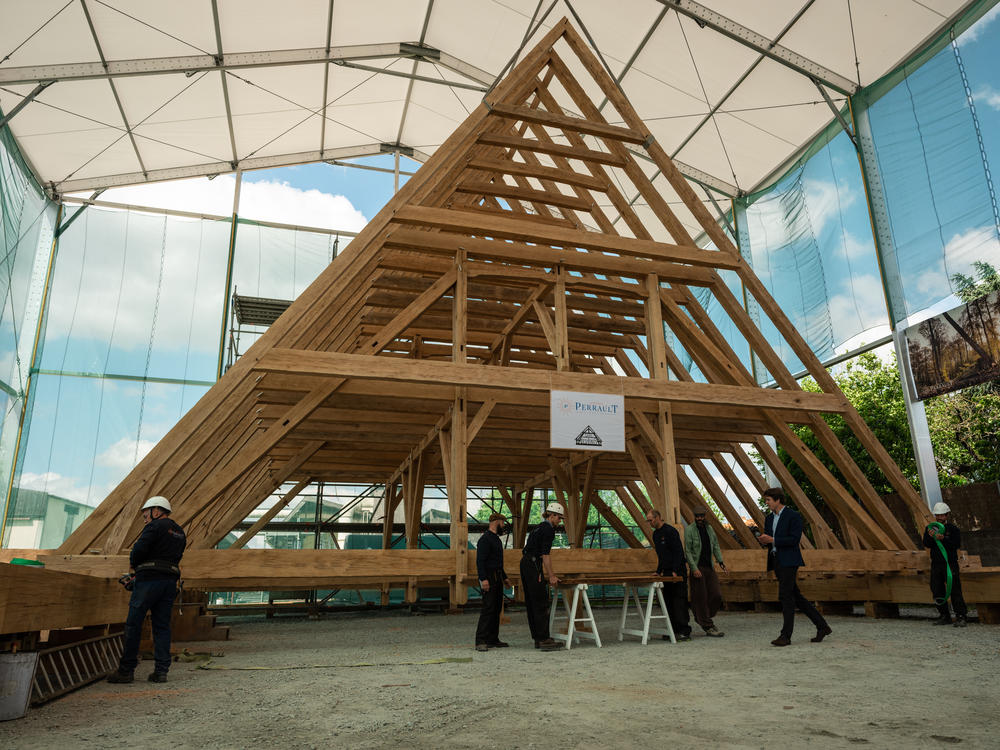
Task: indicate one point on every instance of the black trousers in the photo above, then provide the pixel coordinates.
(675, 595)
(536, 599)
(790, 598)
(939, 583)
(488, 630)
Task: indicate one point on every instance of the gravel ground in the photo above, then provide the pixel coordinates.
(874, 683)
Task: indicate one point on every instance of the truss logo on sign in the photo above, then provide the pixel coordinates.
(587, 421)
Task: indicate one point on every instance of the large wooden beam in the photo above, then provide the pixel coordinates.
(298, 362)
(475, 223)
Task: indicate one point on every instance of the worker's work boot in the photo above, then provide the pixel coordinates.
(550, 644)
(960, 622)
(942, 621)
(157, 677)
(121, 677)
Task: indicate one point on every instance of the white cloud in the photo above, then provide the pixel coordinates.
(124, 454)
(975, 31)
(55, 484)
(262, 201)
(826, 200)
(861, 306)
(987, 95)
(964, 249)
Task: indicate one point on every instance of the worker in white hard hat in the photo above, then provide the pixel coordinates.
(536, 570)
(154, 573)
(943, 539)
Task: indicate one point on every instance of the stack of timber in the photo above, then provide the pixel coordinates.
(530, 253)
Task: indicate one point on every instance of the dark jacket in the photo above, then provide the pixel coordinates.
(669, 551)
(952, 542)
(161, 540)
(540, 540)
(786, 539)
(489, 556)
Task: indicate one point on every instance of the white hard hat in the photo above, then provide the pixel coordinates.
(940, 509)
(157, 501)
(555, 508)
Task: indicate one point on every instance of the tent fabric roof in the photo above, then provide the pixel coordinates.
(151, 91)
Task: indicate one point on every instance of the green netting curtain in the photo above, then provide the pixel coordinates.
(26, 219)
(936, 132)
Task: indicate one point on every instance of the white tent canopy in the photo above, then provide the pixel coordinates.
(103, 93)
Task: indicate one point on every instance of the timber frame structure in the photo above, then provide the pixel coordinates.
(426, 351)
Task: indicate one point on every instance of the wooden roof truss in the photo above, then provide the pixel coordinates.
(425, 352)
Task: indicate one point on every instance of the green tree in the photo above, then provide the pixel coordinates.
(964, 428)
(873, 386)
(965, 425)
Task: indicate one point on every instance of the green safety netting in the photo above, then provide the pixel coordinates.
(26, 219)
(936, 133)
(809, 240)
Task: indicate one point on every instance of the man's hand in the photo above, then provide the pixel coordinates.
(553, 580)
(722, 565)
(484, 585)
(765, 539)
(696, 573)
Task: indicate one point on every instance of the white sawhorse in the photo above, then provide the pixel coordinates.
(579, 596)
(647, 616)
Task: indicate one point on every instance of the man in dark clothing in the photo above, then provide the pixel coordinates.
(536, 569)
(782, 534)
(670, 561)
(492, 580)
(951, 540)
(154, 560)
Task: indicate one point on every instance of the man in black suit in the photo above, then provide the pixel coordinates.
(782, 532)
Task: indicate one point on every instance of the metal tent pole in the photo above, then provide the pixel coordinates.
(916, 416)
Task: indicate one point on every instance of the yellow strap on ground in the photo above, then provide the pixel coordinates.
(446, 660)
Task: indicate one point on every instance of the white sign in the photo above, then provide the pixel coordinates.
(587, 421)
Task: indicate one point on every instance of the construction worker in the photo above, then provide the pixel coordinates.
(153, 561)
(492, 580)
(536, 570)
(701, 545)
(670, 561)
(943, 539)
